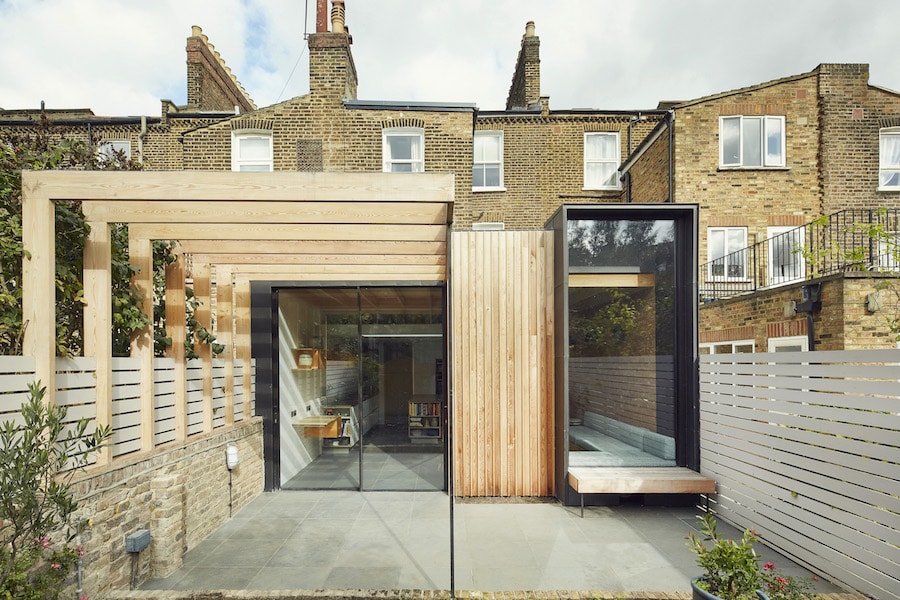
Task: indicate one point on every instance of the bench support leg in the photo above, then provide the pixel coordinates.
(580, 495)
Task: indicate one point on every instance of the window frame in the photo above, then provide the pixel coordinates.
(765, 163)
(616, 161)
(237, 162)
(417, 162)
(103, 149)
(773, 343)
(733, 344)
(743, 277)
(483, 134)
(883, 167)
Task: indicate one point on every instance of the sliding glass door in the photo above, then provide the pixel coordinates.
(361, 388)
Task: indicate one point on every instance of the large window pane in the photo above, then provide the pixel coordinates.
(731, 141)
(751, 132)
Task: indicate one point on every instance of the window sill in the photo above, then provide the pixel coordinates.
(488, 189)
(601, 189)
(728, 168)
(894, 189)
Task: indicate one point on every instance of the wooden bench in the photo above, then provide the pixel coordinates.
(638, 480)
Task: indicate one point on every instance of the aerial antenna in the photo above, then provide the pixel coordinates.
(302, 50)
(306, 20)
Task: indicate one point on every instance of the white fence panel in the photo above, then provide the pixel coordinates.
(163, 401)
(126, 405)
(805, 449)
(218, 392)
(194, 385)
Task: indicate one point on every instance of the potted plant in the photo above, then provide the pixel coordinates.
(732, 572)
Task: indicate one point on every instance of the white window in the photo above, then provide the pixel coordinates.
(795, 343)
(251, 151)
(736, 347)
(403, 150)
(785, 246)
(889, 159)
(727, 250)
(114, 151)
(601, 161)
(751, 142)
(889, 251)
(487, 161)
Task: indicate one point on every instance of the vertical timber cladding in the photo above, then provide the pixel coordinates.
(502, 316)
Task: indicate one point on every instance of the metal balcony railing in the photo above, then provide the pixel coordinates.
(849, 240)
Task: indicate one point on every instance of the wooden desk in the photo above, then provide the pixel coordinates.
(322, 426)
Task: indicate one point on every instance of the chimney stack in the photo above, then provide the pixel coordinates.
(338, 16)
(321, 16)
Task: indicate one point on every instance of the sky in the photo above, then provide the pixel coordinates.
(121, 58)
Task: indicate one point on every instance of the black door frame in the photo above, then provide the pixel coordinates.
(264, 347)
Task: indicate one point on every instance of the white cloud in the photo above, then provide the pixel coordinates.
(121, 58)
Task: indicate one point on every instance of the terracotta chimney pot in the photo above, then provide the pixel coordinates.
(529, 29)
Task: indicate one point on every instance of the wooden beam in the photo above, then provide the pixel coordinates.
(226, 185)
(98, 322)
(203, 315)
(321, 259)
(242, 338)
(224, 335)
(140, 254)
(612, 280)
(39, 280)
(252, 211)
(256, 231)
(176, 328)
(315, 248)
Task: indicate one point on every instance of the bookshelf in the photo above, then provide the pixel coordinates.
(425, 420)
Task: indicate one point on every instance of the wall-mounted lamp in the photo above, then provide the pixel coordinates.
(231, 457)
(874, 302)
(790, 309)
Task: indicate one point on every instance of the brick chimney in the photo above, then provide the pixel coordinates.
(525, 90)
(332, 73)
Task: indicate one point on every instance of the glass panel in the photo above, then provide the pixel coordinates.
(601, 146)
(254, 168)
(361, 388)
(318, 383)
(751, 141)
(731, 141)
(487, 148)
(621, 343)
(254, 148)
(402, 410)
(401, 168)
(774, 148)
(401, 146)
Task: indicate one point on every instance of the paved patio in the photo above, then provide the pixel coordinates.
(292, 540)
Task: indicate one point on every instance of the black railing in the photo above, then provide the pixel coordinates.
(849, 240)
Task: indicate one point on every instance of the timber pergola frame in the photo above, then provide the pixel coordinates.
(235, 228)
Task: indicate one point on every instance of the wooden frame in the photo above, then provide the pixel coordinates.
(350, 218)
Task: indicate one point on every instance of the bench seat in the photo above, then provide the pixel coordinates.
(638, 480)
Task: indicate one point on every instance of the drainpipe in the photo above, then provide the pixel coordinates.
(670, 117)
(141, 139)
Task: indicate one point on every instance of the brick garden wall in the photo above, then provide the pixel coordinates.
(180, 494)
(842, 324)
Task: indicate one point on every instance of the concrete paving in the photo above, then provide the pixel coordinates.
(307, 540)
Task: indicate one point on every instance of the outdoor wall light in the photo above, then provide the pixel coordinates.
(231, 457)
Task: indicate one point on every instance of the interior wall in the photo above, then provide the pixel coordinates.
(300, 390)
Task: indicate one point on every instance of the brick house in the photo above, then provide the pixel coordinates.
(763, 161)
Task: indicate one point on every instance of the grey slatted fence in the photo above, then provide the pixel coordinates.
(805, 449)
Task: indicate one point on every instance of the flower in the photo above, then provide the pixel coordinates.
(732, 571)
(55, 566)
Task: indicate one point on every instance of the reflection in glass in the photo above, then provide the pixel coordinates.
(621, 342)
